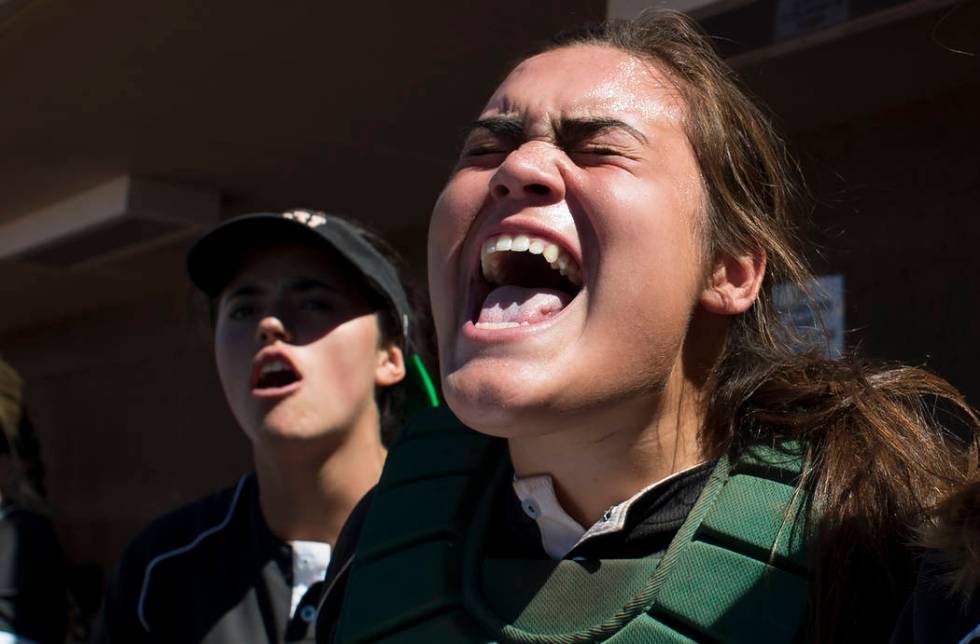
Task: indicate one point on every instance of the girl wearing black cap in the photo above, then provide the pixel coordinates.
(310, 324)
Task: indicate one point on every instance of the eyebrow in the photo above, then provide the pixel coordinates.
(565, 132)
(572, 131)
(246, 290)
(306, 284)
(506, 127)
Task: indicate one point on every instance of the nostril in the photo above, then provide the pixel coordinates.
(500, 190)
(271, 329)
(537, 188)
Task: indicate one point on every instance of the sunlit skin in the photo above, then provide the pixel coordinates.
(316, 443)
(606, 396)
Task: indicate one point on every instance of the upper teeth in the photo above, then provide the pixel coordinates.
(274, 365)
(555, 256)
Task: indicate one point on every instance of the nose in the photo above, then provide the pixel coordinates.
(272, 329)
(530, 172)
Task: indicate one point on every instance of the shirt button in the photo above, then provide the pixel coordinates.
(307, 614)
(530, 508)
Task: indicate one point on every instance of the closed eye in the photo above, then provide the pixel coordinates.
(599, 155)
(485, 156)
(483, 151)
(599, 150)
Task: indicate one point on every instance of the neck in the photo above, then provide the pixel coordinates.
(607, 460)
(307, 491)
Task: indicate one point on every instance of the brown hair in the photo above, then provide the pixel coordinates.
(954, 540)
(877, 457)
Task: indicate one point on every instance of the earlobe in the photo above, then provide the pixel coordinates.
(734, 284)
(391, 366)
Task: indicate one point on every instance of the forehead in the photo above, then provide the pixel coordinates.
(290, 260)
(587, 80)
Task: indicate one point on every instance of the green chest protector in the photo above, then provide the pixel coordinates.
(735, 571)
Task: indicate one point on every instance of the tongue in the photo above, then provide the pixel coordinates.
(519, 305)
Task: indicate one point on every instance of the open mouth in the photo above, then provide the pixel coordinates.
(273, 373)
(527, 280)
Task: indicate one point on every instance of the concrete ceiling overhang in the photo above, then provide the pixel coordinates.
(354, 107)
(341, 104)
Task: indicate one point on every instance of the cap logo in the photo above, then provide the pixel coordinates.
(311, 219)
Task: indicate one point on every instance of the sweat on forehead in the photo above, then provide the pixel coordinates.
(603, 80)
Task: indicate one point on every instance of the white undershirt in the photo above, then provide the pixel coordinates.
(560, 533)
(310, 561)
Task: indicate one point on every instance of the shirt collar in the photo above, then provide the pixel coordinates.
(560, 533)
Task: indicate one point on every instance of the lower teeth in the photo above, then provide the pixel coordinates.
(499, 325)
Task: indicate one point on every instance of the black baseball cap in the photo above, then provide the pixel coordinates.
(215, 258)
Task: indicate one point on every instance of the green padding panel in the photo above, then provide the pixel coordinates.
(768, 462)
(434, 456)
(749, 516)
(732, 598)
(535, 595)
(421, 511)
(431, 421)
(451, 627)
(646, 630)
(393, 592)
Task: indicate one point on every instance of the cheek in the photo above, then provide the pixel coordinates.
(440, 232)
(652, 217)
(647, 265)
(233, 352)
(344, 359)
(460, 202)
(453, 216)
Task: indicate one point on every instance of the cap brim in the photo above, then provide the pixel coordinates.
(215, 258)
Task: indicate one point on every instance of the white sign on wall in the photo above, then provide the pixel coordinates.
(817, 321)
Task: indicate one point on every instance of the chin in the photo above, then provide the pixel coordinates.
(505, 408)
(281, 427)
(273, 433)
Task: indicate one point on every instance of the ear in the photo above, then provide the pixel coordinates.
(391, 366)
(734, 283)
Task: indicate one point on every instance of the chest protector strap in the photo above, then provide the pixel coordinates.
(735, 571)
